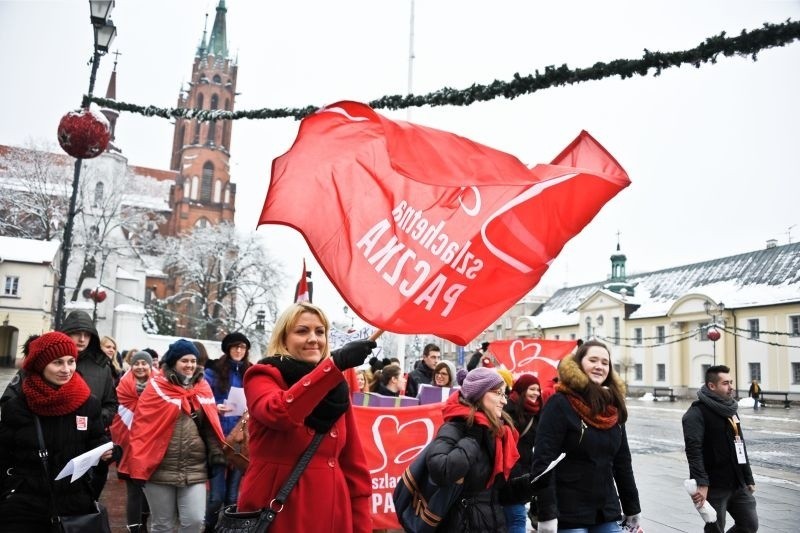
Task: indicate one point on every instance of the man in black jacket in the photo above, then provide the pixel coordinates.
(423, 370)
(94, 366)
(717, 455)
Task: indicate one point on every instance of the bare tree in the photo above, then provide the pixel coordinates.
(225, 278)
(34, 192)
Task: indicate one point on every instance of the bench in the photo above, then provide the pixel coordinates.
(666, 391)
(786, 403)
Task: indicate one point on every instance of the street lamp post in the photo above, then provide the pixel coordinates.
(712, 333)
(104, 33)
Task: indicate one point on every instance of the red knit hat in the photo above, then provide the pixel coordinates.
(46, 349)
(524, 381)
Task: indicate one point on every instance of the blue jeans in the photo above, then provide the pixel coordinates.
(739, 503)
(515, 517)
(608, 527)
(223, 489)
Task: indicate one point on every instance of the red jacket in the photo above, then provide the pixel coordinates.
(334, 492)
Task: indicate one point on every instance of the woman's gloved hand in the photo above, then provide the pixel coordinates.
(353, 353)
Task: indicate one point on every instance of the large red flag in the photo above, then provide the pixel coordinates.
(535, 356)
(423, 231)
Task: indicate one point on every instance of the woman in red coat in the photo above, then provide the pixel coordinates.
(292, 394)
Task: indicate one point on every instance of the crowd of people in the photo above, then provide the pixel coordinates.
(168, 418)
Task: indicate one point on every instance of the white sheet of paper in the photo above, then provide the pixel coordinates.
(78, 466)
(236, 402)
(550, 466)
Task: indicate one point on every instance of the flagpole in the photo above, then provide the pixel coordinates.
(410, 59)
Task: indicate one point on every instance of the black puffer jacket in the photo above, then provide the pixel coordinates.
(454, 455)
(581, 492)
(24, 495)
(710, 449)
(93, 365)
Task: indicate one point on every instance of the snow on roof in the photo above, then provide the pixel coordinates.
(765, 277)
(28, 250)
(124, 274)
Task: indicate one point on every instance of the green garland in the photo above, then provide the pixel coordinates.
(748, 43)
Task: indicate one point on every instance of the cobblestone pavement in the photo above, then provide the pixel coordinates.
(656, 440)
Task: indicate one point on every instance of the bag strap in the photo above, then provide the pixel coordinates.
(43, 455)
(276, 505)
(527, 428)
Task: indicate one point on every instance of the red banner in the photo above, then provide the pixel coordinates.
(392, 437)
(535, 356)
(423, 231)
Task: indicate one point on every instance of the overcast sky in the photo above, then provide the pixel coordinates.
(713, 153)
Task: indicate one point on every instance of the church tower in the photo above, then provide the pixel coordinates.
(203, 193)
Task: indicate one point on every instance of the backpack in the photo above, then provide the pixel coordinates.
(419, 503)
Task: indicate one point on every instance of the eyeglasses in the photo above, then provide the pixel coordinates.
(444, 373)
(500, 393)
(239, 347)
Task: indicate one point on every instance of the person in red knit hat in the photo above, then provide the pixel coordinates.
(70, 418)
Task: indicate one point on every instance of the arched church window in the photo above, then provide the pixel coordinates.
(99, 191)
(205, 184)
(217, 190)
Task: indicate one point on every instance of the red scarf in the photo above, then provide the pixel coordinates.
(505, 442)
(530, 406)
(605, 420)
(45, 399)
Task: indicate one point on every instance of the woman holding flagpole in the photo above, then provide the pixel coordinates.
(295, 393)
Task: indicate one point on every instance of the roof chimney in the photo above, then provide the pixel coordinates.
(772, 243)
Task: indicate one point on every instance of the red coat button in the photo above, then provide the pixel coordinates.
(306, 383)
(289, 398)
(331, 462)
(334, 433)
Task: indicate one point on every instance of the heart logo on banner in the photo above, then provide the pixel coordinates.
(520, 348)
(394, 424)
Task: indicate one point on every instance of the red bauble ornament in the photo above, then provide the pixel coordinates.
(713, 335)
(98, 295)
(83, 134)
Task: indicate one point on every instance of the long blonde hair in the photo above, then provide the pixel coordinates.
(287, 320)
(113, 358)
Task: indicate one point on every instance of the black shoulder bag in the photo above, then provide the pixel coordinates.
(96, 521)
(231, 521)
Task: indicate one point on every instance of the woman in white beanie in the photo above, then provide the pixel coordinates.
(476, 446)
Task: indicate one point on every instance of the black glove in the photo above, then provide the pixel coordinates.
(353, 353)
(521, 487)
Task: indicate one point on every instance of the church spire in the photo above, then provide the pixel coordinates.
(218, 42)
(201, 48)
(112, 114)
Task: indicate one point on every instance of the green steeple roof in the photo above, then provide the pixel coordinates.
(218, 42)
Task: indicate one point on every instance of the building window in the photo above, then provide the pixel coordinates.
(588, 327)
(661, 335)
(661, 372)
(216, 79)
(753, 328)
(703, 370)
(617, 368)
(99, 190)
(616, 330)
(558, 337)
(637, 335)
(755, 371)
(795, 373)
(794, 326)
(202, 222)
(195, 185)
(11, 286)
(199, 101)
(572, 336)
(205, 183)
(217, 191)
(637, 371)
(703, 331)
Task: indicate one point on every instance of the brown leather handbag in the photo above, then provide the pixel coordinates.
(236, 447)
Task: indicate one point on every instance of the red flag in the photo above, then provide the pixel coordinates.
(423, 231)
(392, 437)
(535, 356)
(301, 291)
